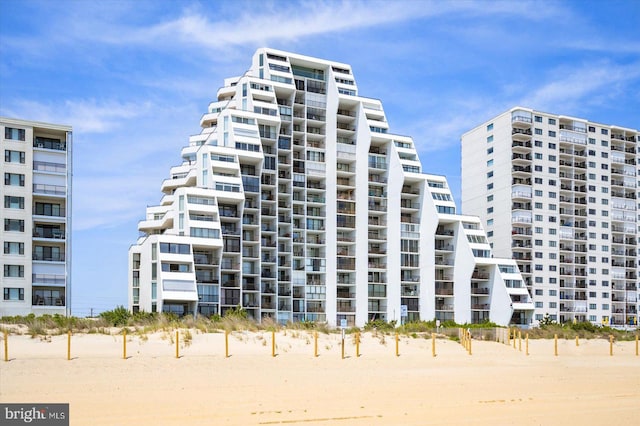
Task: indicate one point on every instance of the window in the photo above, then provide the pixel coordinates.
(592, 141)
(538, 230)
(552, 145)
(14, 271)
(604, 131)
(592, 129)
(552, 121)
(604, 143)
(489, 138)
(14, 179)
(14, 134)
(537, 205)
(490, 174)
(489, 197)
(489, 163)
(538, 242)
(538, 181)
(175, 248)
(489, 127)
(538, 144)
(13, 248)
(490, 150)
(538, 192)
(538, 304)
(490, 186)
(537, 168)
(538, 131)
(552, 158)
(14, 156)
(552, 170)
(552, 134)
(13, 293)
(537, 119)
(538, 218)
(553, 305)
(11, 202)
(16, 225)
(490, 210)
(538, 156)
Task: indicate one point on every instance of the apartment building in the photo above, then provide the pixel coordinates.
(567, 188)
(297, 203)
(36, 215)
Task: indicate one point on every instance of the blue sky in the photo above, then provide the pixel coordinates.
(134, 77)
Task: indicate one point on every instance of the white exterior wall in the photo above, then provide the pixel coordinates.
(341, 202)
(583, 237)
(44, 286)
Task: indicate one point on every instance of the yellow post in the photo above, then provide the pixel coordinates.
(315, 343)
(555, 344)
(469, 342)
(124, 343)
(611, 345)
(273, 343)
(226, 343)
(520, 341)
(69, 345)
(514, 338)
(433, 344)
(527, 343)
(397, 348)
(177, 344)
(357, 344)
(342, 345)
(577, 342)
(6, 346)
(636, 345)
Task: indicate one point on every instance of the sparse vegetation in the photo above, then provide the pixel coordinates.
(237, 319)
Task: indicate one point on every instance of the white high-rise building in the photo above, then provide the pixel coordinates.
(297, 203)
(36, 216)
(559, 195)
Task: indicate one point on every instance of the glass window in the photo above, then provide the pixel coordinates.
(14, 156)
(14, 134)
(13, 293)
(14, 179)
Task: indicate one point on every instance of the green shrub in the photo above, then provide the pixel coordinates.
(117, 317)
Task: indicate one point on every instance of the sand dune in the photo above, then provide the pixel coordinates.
(496, 385)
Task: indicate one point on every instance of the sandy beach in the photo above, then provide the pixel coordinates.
(496, 384)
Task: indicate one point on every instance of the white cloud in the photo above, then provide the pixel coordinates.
(571, 88)
(86, 115)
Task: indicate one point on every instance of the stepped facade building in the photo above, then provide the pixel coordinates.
(36, 216)
(297, 203)
(559, 195)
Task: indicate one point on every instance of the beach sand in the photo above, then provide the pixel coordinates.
(496, 385)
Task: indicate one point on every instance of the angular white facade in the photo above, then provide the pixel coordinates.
(297, 203)
(36, 216)
(559, 195)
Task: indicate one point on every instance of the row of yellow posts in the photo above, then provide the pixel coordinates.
(518, 337)
(226, 344)
(465, 340)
